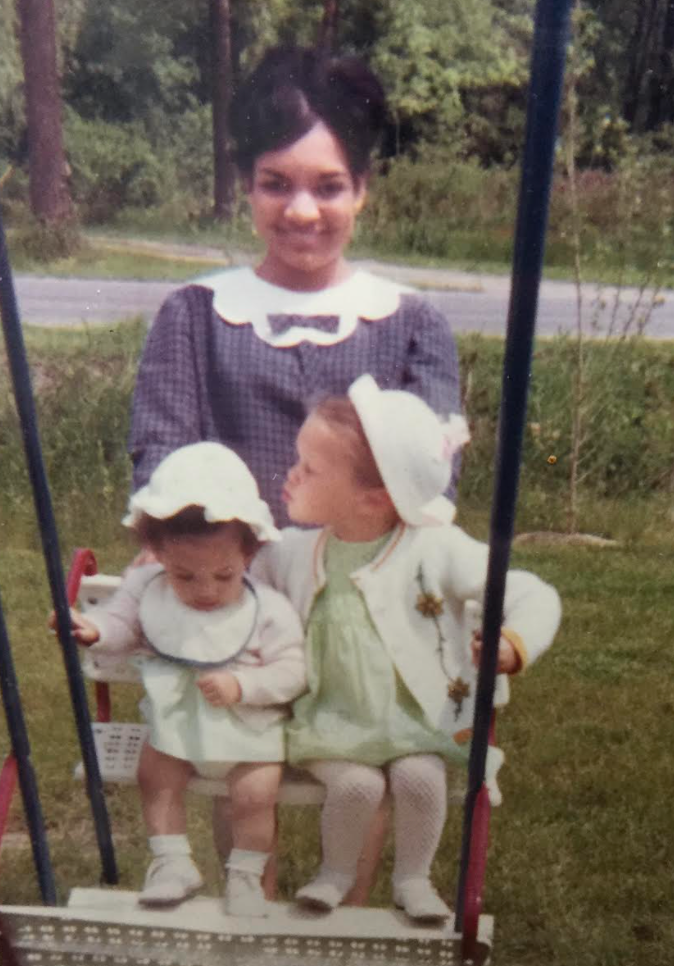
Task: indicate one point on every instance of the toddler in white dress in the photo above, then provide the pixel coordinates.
(220, 657)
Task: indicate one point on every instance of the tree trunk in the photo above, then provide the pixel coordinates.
(221, 72)
(650, 73)
(328, 28)
(49, 192)
(662, 107)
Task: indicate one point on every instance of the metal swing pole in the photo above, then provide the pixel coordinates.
(25, 404)
(18, 734)
(545, 90)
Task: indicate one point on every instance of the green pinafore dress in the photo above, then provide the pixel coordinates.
(357, 707)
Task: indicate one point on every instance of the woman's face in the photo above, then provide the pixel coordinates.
(304, 202)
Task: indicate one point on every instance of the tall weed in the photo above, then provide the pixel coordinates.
(82, 383)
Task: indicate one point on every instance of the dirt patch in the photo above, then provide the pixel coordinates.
(551, 538)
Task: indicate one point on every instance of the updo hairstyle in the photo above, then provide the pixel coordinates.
(292, 89)
(154, 532)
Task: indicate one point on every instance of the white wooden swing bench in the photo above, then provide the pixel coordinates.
(363, 936)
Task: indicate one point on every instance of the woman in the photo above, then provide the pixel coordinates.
(238, 358)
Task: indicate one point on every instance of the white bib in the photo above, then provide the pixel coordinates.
(198, 638)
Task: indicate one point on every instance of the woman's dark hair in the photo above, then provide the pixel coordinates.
(292, 89)
(153, 532)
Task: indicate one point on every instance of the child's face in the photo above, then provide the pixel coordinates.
(205, 572)
(320, 488)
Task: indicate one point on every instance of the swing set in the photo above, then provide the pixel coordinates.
(105, 926)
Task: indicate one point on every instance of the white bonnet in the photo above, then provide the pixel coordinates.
(208, 475)
(412, 447)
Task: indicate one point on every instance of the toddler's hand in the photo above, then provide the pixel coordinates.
(508, 658)
(220, 688)
(83, 630)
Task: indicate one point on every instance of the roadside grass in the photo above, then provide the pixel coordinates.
(128, 260)
(131, 248)
(581, 851)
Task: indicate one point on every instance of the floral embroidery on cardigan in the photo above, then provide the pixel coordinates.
(457, 691)
(431, 606)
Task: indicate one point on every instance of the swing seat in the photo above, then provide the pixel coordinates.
(118, 746)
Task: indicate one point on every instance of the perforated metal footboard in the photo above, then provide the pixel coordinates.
(115, 932)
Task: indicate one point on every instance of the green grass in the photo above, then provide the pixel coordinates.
(581, 851)
(124, 250)
(129, 261)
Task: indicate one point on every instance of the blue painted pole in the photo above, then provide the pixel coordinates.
(545, 92)
(18, 734)
(16, 354)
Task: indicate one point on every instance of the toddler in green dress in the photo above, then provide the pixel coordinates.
(382, 588)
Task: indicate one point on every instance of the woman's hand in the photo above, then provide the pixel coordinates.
(84, 631)
(508, 658)
(220, 688)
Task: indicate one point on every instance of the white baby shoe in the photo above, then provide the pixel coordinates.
(244, 895)
(419, 899)
(169, 880)
(326, 890)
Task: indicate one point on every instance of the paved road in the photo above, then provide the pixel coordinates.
(471, 302)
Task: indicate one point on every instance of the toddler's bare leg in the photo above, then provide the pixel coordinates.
(172, 875)
(163, 780)
(253, 789)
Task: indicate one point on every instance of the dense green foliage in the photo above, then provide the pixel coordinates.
(136, 81)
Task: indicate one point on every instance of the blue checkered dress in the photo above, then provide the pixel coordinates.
(201, 378)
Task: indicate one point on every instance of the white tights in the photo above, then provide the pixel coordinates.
(418, 786)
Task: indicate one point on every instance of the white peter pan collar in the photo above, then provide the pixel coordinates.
(241, 298)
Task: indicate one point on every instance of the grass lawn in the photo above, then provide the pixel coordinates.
(582, 848)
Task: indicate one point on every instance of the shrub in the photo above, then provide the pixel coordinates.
(631, 450)
(114, 166)
(39, 242)
(432, 206)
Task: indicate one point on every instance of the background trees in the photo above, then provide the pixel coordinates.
(49, 191)
(139, 81)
